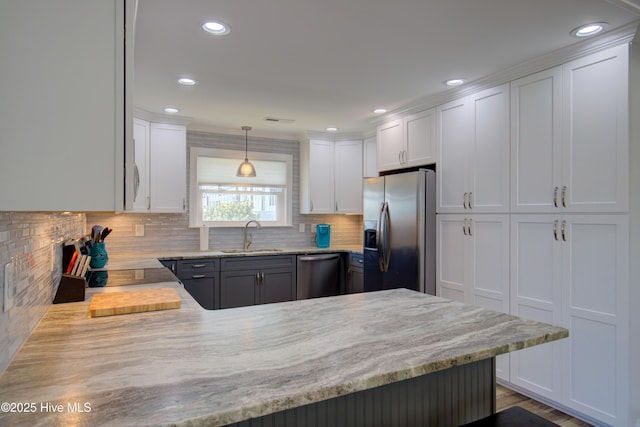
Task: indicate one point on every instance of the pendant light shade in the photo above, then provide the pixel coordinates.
(246, 169)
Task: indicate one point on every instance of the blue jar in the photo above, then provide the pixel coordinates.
(323, 235)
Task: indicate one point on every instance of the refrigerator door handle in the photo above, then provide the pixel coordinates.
(379, 242)
(386, 253)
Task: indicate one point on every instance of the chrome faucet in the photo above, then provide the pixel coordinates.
(248, 238)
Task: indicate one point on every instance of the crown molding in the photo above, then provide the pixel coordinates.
(577, 50)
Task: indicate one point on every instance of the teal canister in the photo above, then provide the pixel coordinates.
(323, 235)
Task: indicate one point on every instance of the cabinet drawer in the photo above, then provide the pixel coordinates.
(257, 262)
(205, 267)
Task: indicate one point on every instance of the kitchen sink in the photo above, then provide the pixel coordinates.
(239, 251)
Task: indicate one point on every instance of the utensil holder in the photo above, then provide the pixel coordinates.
(99, 256)
(70, 289)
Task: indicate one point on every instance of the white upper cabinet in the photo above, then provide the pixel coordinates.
(390, 142)
(569, 136)
(536, 132)
(141, 197)
(167, 168)
(63, 130)
(473, 153)
(596, 132)
(348, 176)
(320, 177)
(331, 176)
(370, 162)
(407, 142)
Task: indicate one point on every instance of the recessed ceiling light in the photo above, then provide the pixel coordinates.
(379, 111)
(216, 28)
(171, 110)
(187, 81)
(332, 129)
(454, 82)
(589, 29)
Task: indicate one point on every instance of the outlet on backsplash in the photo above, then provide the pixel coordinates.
(139, 230)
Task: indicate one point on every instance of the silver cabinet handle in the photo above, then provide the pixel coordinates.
(469, 228)
(258, 278)
(464, 227)
(184, 204)
(336, 206)
(311, 205)
(555, 229)
(198, 265)
(262, 277)
(555, 197)
(564, 194)
(564, 236)
(198, 276)
(148, 202)
(470, 199)
(136, 181)
(464, 200)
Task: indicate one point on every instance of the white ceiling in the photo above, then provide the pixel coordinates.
(331, 62)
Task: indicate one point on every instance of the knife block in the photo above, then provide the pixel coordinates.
(70, 289)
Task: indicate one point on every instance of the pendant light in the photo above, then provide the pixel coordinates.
(246, 169)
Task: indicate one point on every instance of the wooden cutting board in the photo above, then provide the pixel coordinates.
(111, 303)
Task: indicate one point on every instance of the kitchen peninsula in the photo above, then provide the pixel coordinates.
(196, 367)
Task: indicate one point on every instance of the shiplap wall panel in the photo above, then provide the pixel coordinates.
(446, 398)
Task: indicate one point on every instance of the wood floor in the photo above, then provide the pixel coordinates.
(505, 398)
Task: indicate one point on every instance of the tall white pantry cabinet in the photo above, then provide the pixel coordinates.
(563, 230)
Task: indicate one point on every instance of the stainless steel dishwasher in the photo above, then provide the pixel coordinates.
(318, 275)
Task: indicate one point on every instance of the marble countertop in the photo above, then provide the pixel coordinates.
(150, 259)
(191, 366)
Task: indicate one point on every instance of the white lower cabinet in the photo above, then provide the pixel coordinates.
(572, 271)
(473, 264)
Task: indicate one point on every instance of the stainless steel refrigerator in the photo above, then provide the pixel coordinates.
(399, 231)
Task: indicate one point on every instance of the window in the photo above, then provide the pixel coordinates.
(218, 198)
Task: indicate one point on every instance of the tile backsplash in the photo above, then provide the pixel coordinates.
(30, 260)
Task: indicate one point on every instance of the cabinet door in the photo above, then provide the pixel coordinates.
(595, 310)
(487, 238)
(452, 257)
(277, 285)
(239, 288)
(536, 283)
(455, 133)
(420, 137)
(596, 125)
(203, 290)
(168, 167)
(536, 126)
(390, 141)
(489, 155)
(141, 165)
(370, 165)
(348, 176)
(321, 172)
(63, 132)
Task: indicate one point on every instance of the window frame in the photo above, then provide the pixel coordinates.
(195, 201)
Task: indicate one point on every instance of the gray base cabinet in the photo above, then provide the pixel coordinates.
(257, 280)
(355, 274)
(200, 278)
